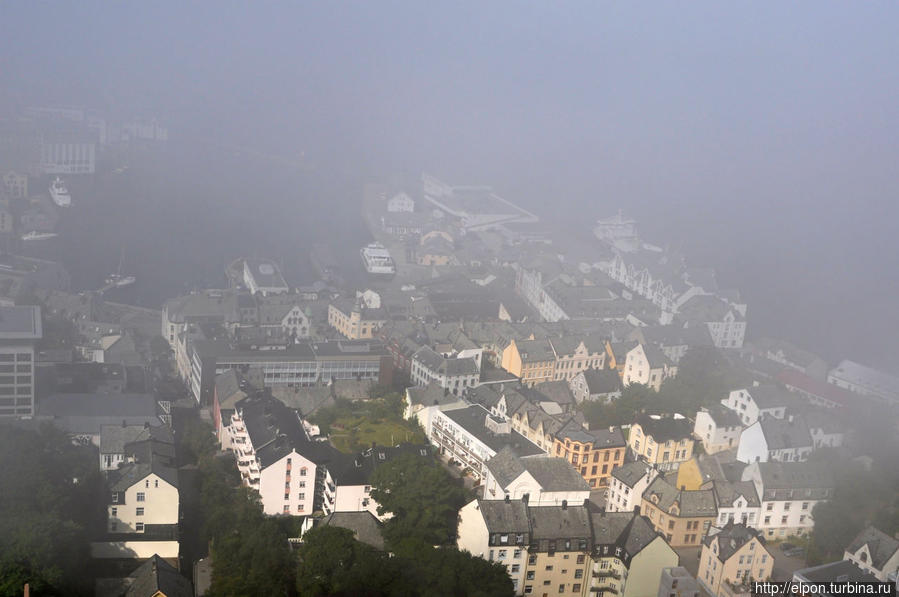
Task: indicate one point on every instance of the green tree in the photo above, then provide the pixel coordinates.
(423, 498)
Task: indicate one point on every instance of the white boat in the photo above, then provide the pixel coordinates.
(60, 193)
(377, 260)
(35, 235)
(117, 279)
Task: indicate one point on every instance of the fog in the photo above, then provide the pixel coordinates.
(759, 138)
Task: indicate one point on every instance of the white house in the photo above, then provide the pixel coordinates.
(647, 365)
(751, 403)
(718, 429)
(423, 401)
(778, 440)
(401, 202)
(452, 373)
(865, 380)
(269, 442)
(540, 480)
(875, 552)
(499, 531)
(726, 322)
(143, 491)
(737, 502)
(116, 439)
(627, 486)
(788, 492)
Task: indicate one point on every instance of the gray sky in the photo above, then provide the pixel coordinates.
(763, 137)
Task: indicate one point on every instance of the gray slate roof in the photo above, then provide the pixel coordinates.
(553, 474)
(87, 413)
(731, 538)
(114, 438)
(473, 420)
(504, 517)
(781, 434)
(558, 522)
(881, 546)
(365, 527)
(158, 576)
(665, 428)
(631, 472)
(602, 381)
(690, 503)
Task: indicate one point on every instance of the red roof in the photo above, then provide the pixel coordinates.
(800, 381)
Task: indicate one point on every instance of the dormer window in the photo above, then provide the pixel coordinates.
(863, 557)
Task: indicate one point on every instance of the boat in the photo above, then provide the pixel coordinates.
(60, 193)
(35, 235)
(117, 279)
(377, 260)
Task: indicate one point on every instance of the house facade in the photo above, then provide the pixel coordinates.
(593, 453)
(788, 492)
(683, 517)
(731, 558)
(664, 442)
(718, 429)
(647, 365)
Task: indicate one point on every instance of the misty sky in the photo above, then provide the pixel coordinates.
(762, 138)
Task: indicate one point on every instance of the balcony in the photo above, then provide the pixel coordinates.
(604, 590)
(607, 574)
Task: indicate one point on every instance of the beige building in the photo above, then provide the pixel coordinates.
(665, 442)
(354, 321)
(647, 365)
(684, 517)
(731, 558)
(144, 491)
(567, 549)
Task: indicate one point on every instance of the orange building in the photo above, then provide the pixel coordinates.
(593, 453)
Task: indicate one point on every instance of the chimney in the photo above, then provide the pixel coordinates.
(564, 504)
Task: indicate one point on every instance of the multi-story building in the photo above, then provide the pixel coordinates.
(472, 436)
(20, 329)
(731, 558)
(866, 381)
(718, 428)
(594, 453)
(455, 374)
(144, 489)
(683, 516)
(354, 320)
(752, 403)
(116, 439)
(603, 385)
(875, 552)
(725, 321)
(778, 440)
(664, 442)
(298, 364)
(532, 361)
(788, 492)
(68, 150)
(569, 549)
(537, 480)
(16, 184)
(264, 277)
(401, 202)
(647, 365)
(738, 502)
(628, 483)
(274, 455)
(577, 354)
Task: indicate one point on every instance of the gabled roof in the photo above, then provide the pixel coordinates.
(881, 546)
(274, 429)
(793, 475)
(158, 577)
(554, 391)
(631, 472)
(770, 396)
(731, 538)
(560, 522)
(365, 527)
(431, 395)
(696, 503)
(787, 433)
(533, 351)
(114, 438)
(656, 357)
(664, 428)
(727, 493)
(602, 381)
(553, 474)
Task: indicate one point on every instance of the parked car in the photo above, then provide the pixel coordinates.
(791, 550)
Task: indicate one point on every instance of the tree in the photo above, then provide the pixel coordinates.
(423, 499)
(448, 571)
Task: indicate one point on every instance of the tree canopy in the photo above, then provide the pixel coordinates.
(423, 499)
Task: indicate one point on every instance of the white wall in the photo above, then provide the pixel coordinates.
(272, 481)
(160, 505)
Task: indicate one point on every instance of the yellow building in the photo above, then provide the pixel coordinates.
(683, 517)
(354, 321)
(593, 453)
(665, 442)
(616, 355)
(532, 361)
(733, 557)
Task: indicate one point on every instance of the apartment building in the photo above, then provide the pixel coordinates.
(627, 485)
(647, 365)
(453, 373)
(682, 516)
(731, 558)
(875, 552)
(788, 492)
(594, 453)
(718, 428)
(20, 330)
(664, 442)
(761, 400)
(538, 480)
(354, 320)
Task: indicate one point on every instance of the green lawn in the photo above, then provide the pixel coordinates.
(353, 433)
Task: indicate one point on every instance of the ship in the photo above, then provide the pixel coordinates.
(35, 235)
(60, 193)
(117, 279)
(377, 260)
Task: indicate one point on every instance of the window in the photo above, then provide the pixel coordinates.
(787, 506)
(301, 496)
(302, 484)
(286, 509)
(139, 512)
(579, 573)
(156, 483)
(516, 555)
(580, 560)
(576, 588)
(141, 496)
(286, 496)
(805, 505)
(770, 506)
(530, 575)
(139, 527)
(671, 524)
(549, 568)
(516, 568)
(115, 498)
(114, 511)
(561, 588)
(528, 589)
(303, 472)
(783, 520)
(147, 483)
